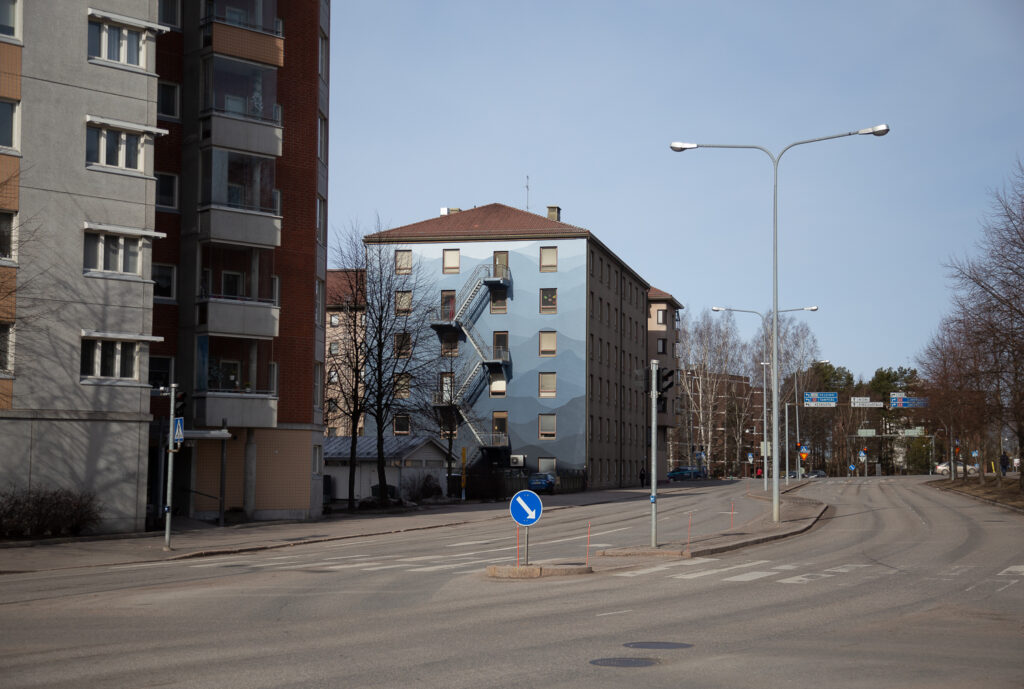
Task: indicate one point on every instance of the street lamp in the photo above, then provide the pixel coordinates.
(679, 147)
(764, 386)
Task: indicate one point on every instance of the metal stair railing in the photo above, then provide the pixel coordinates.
(475, 340)
(465, 296)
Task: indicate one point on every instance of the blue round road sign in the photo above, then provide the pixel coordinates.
(525, 508)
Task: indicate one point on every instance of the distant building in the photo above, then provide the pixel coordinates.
(552, 329)
(662, 344)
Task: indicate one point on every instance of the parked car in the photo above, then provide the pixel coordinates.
(686, 473)
(944, 469)
(817, 473)
(541, 483)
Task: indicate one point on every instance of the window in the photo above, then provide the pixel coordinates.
(6, 235)
(403, 384)
(661, 345)
(112, 253)
(403, 424)
(548, 259)
(403, 303)
(546, 384)
(160, 373)
(166, 190)
(319, 301)
(8, 16)
(5, 347)
(496, 384)
(501, 264)
(333, 377)
(403, 345)
(499, 342)
(448, 305)
(403, 261)
(449, 343)
(7, 129)
(231, 284)
(499, 300)
(239, 88)
(321, 138)
(661, 316)
(169, 12)
(321, 219)
(334, 348)
(545, 425)
(163, 281)
(324, 55)
(335, 320)
(499, 424)
(450, 261)
(109, 358)
(114, 148)
(167, 100)
(446, 386)
(238, 180)
(318, 385)
(549, 300)
(548, 343)
(115, 43)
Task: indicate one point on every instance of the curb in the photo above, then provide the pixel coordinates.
(536, 571)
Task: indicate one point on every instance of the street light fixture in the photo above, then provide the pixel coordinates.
(764, 385)
(679, 147)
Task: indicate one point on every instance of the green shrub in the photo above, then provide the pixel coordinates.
(34, 513)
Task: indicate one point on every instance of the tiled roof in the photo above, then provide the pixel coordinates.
(492, 221)
(342, 283)
(655, 294)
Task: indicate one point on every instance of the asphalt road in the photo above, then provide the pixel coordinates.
(898, 585)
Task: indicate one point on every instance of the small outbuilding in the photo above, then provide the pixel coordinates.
(409, 461)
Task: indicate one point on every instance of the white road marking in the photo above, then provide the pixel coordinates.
(844, 569)
(750, 576)
(694, 575)
(439, 568)
(663, 567)
(374, 569)
(805, 578)
(461, 545)
(617, 612)
(350, 565)
(1016, 570)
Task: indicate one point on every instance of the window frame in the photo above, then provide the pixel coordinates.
(499, 305)
(15, 26)
(549, 294)
(661, 316)
(175, 101)
(161, 6)
(102, 253)
(164, 176)
(403, 304)
(402, 386)
(551, 391)
(395, 430)
(497, 385)
(7, 348)
(447, 266)
(402, 345)
(116, 366)
(15, 129)
(542, 433)
(109, 30)
(7, 232)
(552, 351)
(174, 281)
(403, 266)
(548, 267)
(103, 149)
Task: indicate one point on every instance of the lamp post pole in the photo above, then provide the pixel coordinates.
(878, 130)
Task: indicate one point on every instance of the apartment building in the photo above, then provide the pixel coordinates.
(549, 328)
(240, 280)
(163, 219)
(663, 312)
(78, 130)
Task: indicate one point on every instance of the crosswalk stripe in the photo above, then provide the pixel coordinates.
(751, 576)
(694, 575)
(663, 567)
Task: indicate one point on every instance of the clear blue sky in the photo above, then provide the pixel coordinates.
(455, 102)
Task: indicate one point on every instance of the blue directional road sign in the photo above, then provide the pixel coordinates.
(179, 429)
(821, 399)
(525, 508)
(853, 467)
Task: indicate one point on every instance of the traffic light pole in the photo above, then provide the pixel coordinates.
(171, 450)
(655, 384)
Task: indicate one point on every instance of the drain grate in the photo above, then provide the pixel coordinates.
(659, 645)
(624, 662)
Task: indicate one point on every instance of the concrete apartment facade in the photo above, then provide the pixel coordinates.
(158, 224)
(550, 326)
(78, 92)
(241, 196)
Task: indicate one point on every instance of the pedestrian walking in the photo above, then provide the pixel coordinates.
(1004, 463)
(643, 477)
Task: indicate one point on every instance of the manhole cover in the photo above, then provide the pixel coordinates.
(662, 645)
(624, 662)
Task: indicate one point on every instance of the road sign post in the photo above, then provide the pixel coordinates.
(526, 509)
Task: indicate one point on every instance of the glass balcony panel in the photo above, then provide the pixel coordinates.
(260, 15)
(241, 88)
(240, 181)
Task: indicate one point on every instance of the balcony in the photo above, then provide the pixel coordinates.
(248, 318)
(244, 131)
(240, 226)
(241, 409)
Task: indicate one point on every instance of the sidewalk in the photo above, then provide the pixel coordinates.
(197, 539)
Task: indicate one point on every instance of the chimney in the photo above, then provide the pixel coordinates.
(449, 211)
(555, 213)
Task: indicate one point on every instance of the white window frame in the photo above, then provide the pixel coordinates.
(335, 320)
(110, 127)
(108, 21)
(118, 243)
(15, 35)
(117, 340)
(15, 144)
(10, 230)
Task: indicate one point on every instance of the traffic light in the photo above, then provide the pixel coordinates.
(179, 403)
(666, 379)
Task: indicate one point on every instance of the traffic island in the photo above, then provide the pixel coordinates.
(536, 571)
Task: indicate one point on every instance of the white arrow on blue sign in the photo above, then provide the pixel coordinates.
(525, 508)
(179, 429)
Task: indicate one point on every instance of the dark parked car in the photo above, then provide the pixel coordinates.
(817, 473)
(541, 483)
(686, 473)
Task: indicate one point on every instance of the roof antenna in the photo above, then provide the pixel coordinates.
(527, 193)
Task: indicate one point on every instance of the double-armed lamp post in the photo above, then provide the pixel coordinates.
(679, 147)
